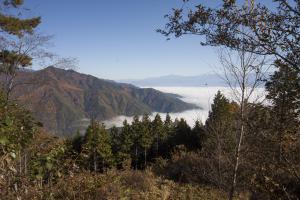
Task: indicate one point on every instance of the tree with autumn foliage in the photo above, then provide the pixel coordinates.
(15, 25)
(16, 44)
(254, 28)
(21, 45)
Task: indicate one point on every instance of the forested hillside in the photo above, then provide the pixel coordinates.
(244, 150)
(65, 100)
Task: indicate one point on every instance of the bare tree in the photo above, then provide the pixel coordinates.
(243, 72)
(19, 53)
(68, 63)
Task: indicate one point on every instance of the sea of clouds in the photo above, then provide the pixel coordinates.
(201, 96)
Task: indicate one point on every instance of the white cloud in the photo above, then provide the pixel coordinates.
(201, 96)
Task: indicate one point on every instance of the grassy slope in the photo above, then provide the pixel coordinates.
(122, 185)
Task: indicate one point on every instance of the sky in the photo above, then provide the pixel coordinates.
(117, 39)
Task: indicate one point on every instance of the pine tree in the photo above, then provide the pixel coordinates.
(197, 137)
(169, 130)
(77, 142)
(220, 137)
(219, 124)
(219, 109)
(136, 135)
(182, 134)
(121, 143)
(17, 126)
(157, 129)
(116, 142)
(169, 125)
(12, 29)
(146, 136)
(283, 90)
(16, 25)
(97, 146)
(127, 142)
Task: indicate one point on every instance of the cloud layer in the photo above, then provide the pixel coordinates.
(202, 96)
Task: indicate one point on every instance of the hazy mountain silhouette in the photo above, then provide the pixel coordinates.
(181, 81)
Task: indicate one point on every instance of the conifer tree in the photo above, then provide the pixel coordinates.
(158, 132)
(97, 146)
(15, 25)
(12, 30)
(283, 91)
(197, 136)
(169, 125)
(146, 136)
(169, 130)
(116, 142)
(182, 134)
(121, 143)
(136, 135)
(219, 124)
(77, 142)
(220, 137)
(126, 137)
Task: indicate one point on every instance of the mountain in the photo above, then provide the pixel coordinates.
(209, 80)
(65, 100)
(178, 81)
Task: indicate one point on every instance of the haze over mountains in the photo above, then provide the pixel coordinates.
(204, 80)
(178, 81)
(65, 100)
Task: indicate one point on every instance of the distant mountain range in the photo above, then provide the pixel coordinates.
(207, 80)
(65, 100)
(179, 81)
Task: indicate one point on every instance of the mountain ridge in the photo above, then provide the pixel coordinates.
(204, 80)
(65, 100)
(178, 81)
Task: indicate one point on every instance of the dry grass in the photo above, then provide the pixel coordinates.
(113, 185)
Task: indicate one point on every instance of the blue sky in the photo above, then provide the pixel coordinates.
(116, 39)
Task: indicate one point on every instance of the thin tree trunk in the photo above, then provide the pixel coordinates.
(20, 169)
(103, 165)
(25, 164)
(281, 129)
(95, 162)
(219, 161)
(241, 134)
(157, 144)
(9, 86)
(237, 163)
(145, 157)
(136, 157)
